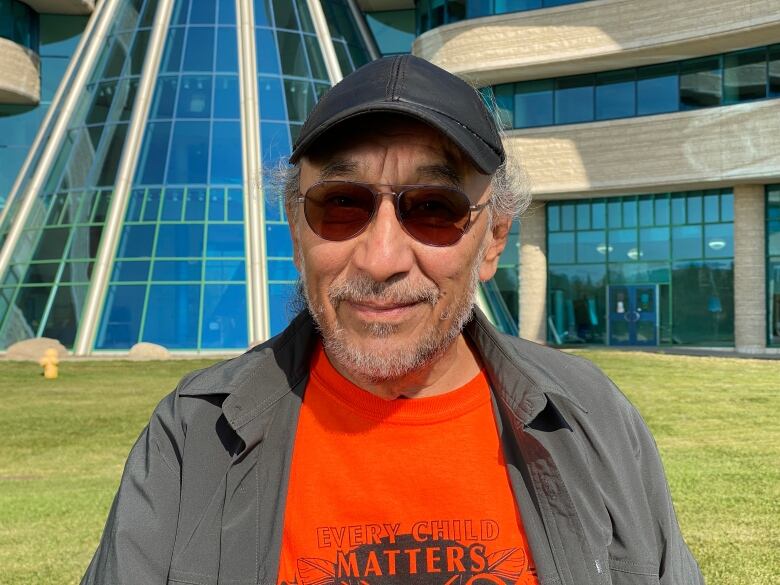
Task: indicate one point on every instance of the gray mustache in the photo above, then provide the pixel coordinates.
(364, 289)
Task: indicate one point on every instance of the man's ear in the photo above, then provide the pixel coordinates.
(292, 223)
(499, 236)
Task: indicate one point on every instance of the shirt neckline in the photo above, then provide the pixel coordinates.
(426, 410)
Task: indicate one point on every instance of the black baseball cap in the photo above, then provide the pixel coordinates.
(408, 85)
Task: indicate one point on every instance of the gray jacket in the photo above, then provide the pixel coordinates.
(202, 497)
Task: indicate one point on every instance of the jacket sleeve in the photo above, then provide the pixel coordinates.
(677, 565)
(137, 542)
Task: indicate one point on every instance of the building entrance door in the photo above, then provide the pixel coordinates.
(633, 314)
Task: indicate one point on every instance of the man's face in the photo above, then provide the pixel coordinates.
(386, 304)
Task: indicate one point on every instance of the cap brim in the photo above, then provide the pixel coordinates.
(478, 151)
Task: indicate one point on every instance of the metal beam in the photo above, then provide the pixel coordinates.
(325, 41)
(254, 208)
(365, 31)
(48, 117)
(109, 240)
(105, 14)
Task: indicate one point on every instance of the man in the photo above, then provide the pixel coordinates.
(390, 434)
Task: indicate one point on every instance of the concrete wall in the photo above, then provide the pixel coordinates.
(20, 81)
(597, 36)
(749, 268)
(708, 148)
(533, 274)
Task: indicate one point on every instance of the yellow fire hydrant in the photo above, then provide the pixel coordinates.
(49, 361)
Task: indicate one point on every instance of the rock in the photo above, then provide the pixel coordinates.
(34, 349)
(148, 351)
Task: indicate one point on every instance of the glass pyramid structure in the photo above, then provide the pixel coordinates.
(141, 212)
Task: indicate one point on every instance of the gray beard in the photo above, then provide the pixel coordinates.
(393, 362)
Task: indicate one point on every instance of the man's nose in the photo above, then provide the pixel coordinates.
(384, 249)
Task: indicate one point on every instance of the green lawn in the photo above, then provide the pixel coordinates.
(63, 443)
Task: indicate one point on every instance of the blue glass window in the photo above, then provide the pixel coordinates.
(174, 48)
(282, 270)
(177, 270)
(292, 54)
(225, 270)
(646, 211)
(275, 142)
(393, 30)
(700, 83)
(227, 12)
(164, 97)
(122, 317)
(300, 99)
(135, 205)
(271, 98)
(591, 246)
(235, 205)
(194, 97)
(661, 210)
(574, 99)
(199, 53)
(130, 271)
(533, 104)
(560, 248)
(155, 150)
(136, 241)
(188, 162)
(694, 207)
(719, 240)
(180, 240)
(278, 241)
(615, 95)
(226, 153)
(503, 96)
(227, 50)
(152, 204)
(173, 202)
(745, 76)
(172, 315)
(774, 70)
(283, 297)
(262, 13)
(224, 316)
(196, 205)
(623, 245)
(687, 242)
(267, 56)
(226, 100)
(654, 243)
(567, 216)
(202, 11)
(216, 204)
(225, 240)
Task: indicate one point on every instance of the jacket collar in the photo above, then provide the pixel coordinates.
(268, 373)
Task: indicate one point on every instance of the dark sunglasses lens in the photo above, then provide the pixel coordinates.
(435, 216)
(338, 211)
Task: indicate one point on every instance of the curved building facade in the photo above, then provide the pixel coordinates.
(141, 213)
(649, 130)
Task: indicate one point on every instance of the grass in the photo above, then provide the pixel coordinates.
(63, 444)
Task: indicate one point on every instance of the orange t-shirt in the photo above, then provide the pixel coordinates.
(406, 491)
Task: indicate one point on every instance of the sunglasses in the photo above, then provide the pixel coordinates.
(432, 215)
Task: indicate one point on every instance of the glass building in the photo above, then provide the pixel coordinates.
(137, 205)
(142, 214)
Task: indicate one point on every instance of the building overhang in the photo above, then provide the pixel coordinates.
(596, 36)
(20, 80)
(61, 6)
(708, 148)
